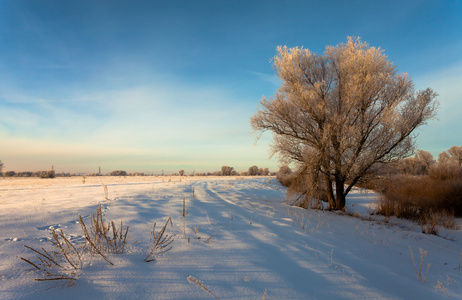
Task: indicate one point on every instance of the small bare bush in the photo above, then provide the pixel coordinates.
(430, 221)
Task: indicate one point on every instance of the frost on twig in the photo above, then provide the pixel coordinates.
(105, 237)
(198, 283)
(62, 263)
(159, 243)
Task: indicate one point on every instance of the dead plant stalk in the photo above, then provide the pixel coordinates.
(159, 243)
(422, 258)
(198, 283)
(184, 213)
(57, 265)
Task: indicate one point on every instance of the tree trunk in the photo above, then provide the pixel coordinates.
(330, 193)
(339, 193)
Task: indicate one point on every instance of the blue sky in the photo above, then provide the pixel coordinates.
(152, 85)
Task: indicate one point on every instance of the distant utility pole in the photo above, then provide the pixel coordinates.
(52, 167)
(162, 172)
(99, 170)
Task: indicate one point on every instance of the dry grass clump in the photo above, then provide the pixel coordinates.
(62, 263)
(66, 258)
(430, 222)
(105, 237)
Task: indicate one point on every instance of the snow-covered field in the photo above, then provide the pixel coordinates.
(260, 246)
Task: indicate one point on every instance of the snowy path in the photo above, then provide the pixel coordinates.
(259, 243)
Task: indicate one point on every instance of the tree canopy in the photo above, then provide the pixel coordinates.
(339, 114)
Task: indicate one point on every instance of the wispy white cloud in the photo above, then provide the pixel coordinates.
(270, 78)
(443, 133)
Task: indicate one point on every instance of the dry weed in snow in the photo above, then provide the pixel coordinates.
(59, 264)
(100, 232)
(198, 283)
(422, 258)
(184, 213)
(159, 243)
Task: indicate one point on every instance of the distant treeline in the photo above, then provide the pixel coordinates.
(41, 174)
(229, 171)
(225, 171)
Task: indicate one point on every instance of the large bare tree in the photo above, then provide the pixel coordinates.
(339, 114)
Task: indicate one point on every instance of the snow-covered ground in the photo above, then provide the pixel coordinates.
(260, 246)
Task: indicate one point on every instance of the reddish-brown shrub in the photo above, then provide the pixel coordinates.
(445, 171)
(425, 199)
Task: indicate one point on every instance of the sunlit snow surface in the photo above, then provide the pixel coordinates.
(260, 243)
